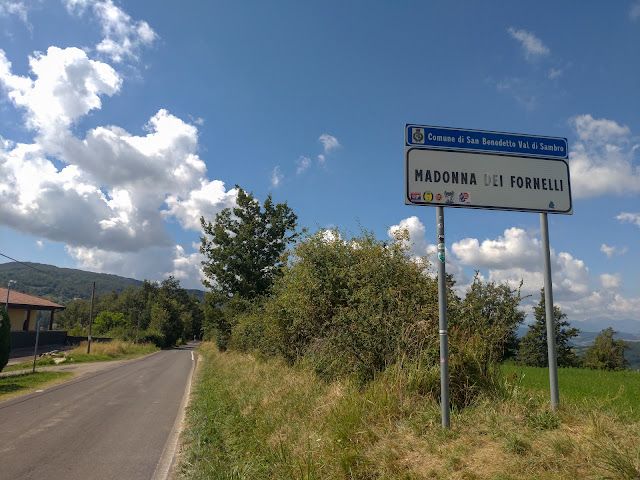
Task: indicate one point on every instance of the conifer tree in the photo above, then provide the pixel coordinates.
(533, 346)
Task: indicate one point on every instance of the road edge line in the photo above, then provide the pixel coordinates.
(168, 455)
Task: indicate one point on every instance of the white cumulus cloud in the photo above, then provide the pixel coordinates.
(67, 85)
(329, 142)
(532, 45)
(517, 255)
(613, 250)
(276, 176)
(629, 217)
(210, 199)
(515, 247)
(610, 280)
(303, 164)
(123, 36)
(19, 9)
(602, 160)
(153, 263)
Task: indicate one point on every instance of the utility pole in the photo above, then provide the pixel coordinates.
(138, 329)
(35, 350)
(93, 291)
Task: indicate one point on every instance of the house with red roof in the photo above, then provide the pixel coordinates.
(23, 309)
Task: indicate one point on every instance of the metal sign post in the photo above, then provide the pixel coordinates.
(551, 320)
(442, 314)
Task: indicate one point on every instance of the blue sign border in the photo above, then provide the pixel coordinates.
(465, 140)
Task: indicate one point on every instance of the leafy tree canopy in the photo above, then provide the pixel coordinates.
(245, 244)
(606, 353)
(109, 320)
(163, 313)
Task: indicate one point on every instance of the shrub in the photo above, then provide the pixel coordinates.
(78, 331)
(152, 336)
(349, 306)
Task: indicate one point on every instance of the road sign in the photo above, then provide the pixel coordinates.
(465, 176)
(450, 167)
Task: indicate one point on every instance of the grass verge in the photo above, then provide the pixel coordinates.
(16, 385)
(261, 419)
(100, 352)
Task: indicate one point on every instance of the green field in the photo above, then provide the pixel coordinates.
(619, 391)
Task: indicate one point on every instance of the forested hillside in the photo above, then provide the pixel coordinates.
(633, 355)
(62, 285)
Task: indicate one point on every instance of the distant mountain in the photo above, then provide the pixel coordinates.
(587, 338)
(62, 285)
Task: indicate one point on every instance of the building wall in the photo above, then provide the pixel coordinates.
(18, 317)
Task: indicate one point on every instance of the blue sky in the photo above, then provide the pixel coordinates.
(122, 122)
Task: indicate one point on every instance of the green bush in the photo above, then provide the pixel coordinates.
(153, 336)
(78, 331)
(5, 337)
(351, 306)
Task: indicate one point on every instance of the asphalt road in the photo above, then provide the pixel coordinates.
(115, 423)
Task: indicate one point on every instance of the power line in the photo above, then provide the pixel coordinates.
(25, 264)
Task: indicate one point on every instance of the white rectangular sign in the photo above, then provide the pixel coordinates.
(477, 180)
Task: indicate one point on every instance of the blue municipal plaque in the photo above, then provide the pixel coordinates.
(456, 139)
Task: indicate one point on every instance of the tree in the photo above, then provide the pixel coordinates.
(245, 245)
(533, 346)
(606, 353)
(493, 310)
(76, 313)
(168, 304)
(107, 321)
(5, 337)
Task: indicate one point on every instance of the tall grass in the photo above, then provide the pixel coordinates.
(261, 419)
(114, 348)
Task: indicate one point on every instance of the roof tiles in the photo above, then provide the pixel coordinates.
(19, 298)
